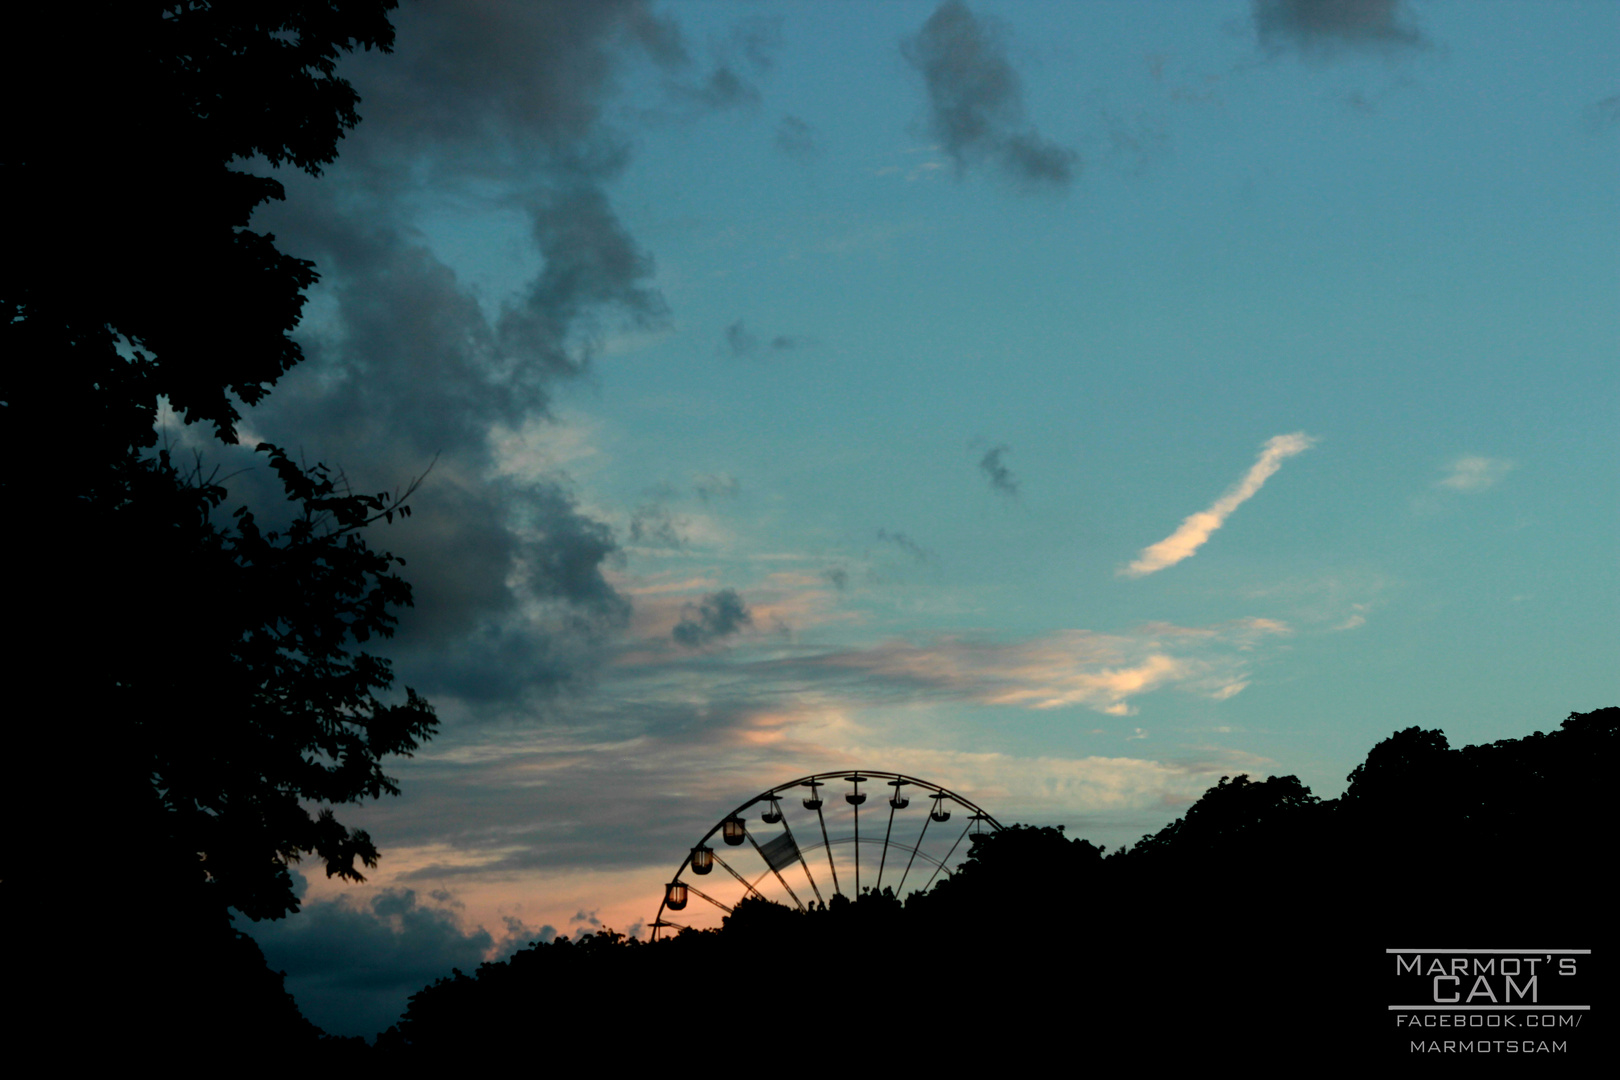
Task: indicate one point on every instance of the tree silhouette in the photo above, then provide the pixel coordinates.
(133, 271)
(1260, 916)
(290, 711)
(210, 696)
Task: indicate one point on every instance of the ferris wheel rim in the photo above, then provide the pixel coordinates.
(845, 774)
(774, 794)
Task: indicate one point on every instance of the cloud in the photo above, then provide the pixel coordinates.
(751, 46)
(352, 964)
(591, 264)
(657, 756)
(797, 139)
(1322, 26)
(724, 88)
(1102, 672)
(414, 374)
(1197, 528)
(1134, 142)
(1604, 114)
(476, 88)
(905, 544)
(652, 526)
(710, 486)
(637, 778)
(1472, 473)
(717, 616)
(757, 41)
(743, 342)
(502, 107)
(1001, 478)
(590, 813)
(975, 100)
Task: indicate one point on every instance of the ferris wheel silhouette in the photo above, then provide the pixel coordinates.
(821, 844)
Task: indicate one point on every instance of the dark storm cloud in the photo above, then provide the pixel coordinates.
(905, 544)
(717, 616)
(741, 341)
(797, 139)
(1326, 25)
(352, 966)
(1001, 478)
(418, 375)
(976, 102)
(591, 264)
(406, 367)
(472, 83)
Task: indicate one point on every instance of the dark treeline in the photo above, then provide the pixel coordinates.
(1255, 923)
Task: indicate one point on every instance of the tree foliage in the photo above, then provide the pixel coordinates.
(131, 271)
(278, 612)
(220, 697)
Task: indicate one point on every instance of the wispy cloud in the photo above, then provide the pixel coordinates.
(976, 100)
(588, 812)
(1196, 528)
(555, 826)
(741, 341)
(1001, 477)
(652, 526)
(797, 139)
(1321, 26)
(1472, 473)
(1102, 672)
(905, 544)
(716, 486)
(718, 616)
(1604, 114)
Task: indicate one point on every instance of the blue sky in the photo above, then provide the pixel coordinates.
(804, 380)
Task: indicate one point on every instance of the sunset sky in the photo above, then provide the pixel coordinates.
(1069, 404)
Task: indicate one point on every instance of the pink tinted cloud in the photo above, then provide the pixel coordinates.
(1070, 667)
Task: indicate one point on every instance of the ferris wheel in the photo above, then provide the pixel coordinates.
(813, 839)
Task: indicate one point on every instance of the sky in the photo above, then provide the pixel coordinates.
(1067, 404)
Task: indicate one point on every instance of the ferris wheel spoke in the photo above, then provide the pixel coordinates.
(884, 859)
(694, 889)
(828, 845)
(857, 851)
(948, 855)
(739, 877)
(774, 870)
(916, 848)
(800, 853)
